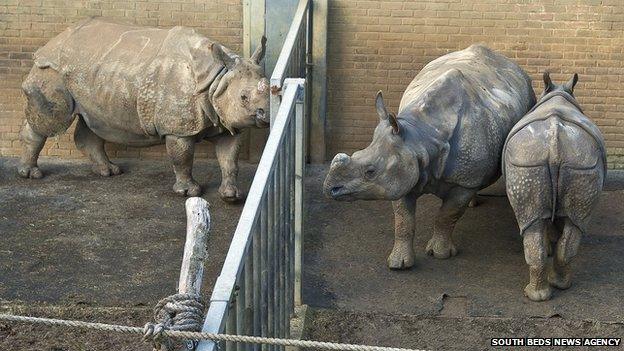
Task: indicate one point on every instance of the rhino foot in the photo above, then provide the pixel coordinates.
(230, 193)
(30, 172)
(440, 248)
(187, 188)
(535, 294)
(401, 258)
(560, 280)
(106, 170)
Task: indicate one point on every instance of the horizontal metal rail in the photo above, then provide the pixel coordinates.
(255, 292)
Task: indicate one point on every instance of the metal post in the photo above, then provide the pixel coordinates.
(299, 173)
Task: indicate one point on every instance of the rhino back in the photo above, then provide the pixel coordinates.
(473, 97)
(107, 67)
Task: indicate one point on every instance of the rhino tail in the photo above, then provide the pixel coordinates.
(554, 164)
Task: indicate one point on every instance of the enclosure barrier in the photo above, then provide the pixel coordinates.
(294, 58)
(255, 292)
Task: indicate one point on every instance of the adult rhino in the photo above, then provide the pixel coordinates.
(554, 163)
(143, 86)
(446, 140)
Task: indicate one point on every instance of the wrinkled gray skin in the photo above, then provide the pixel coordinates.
(446, 140)
(143, 86)
(554, 162)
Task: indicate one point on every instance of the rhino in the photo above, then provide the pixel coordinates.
(446, 140)
(142, 86)
(554, 161)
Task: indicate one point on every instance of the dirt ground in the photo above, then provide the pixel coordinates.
(79, 246)
(462, 302)
(74, 241)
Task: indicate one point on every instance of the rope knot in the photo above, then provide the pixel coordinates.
(179, 312)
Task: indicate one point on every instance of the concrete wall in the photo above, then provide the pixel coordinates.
(25, 25)
(377, 45)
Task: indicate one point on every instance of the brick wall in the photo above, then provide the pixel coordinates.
(25, 25)
(383, 44)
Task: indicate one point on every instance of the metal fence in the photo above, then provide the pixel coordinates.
(295, 56)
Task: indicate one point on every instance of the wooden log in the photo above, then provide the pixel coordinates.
(197, 229)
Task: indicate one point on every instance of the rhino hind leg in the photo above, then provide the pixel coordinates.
(92, 146)
(535, 253)
(49, 112)
(180, 151)
(453, 207)
(566, 249)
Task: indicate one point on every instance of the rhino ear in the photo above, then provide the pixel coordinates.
(221, 55)
(571, 83)
(380, 105)
(548, 84)
(392, 118)
(258, 55)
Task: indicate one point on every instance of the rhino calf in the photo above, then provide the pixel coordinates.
(140, 87)
(447, 140)
(554, 161)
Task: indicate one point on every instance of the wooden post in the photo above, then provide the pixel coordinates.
(197, 229)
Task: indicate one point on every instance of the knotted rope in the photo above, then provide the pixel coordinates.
(179, 312)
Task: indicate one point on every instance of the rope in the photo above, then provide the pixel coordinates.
(181, 312)
(186, 335)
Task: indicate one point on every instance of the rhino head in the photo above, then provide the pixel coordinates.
(241, 96)
(387, 169)
(568, 87)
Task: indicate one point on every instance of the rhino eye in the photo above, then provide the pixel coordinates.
(370, 172)
(245, 98)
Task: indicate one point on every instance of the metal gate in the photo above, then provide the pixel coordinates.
(260, 282)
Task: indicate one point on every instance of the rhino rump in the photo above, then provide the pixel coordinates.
(161, 71)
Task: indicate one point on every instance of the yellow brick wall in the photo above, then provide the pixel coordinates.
(377, 45)
(26, 25)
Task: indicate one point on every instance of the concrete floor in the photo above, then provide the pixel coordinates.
(76, 245)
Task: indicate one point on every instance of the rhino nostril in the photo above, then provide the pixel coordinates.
(336, 190)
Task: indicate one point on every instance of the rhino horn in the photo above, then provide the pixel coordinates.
(340, 159)
(258, 55)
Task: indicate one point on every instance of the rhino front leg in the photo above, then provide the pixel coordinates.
(566, 249)
(536, 255)
(180, 151)
(453, 207)
(227, 148)
(32, 144)
(402, 255)
(92, 146)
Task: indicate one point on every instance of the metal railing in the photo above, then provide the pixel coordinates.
(259, 285)
(295, 56)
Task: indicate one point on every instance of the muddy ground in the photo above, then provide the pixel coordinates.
(75, 245)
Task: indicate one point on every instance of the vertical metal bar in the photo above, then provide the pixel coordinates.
(291, 219)
(281, 260)
(264, 275)
(270, 255)
(299, 170)
(249, 292)
(230, 326)
(257, 278)
(240, 311)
